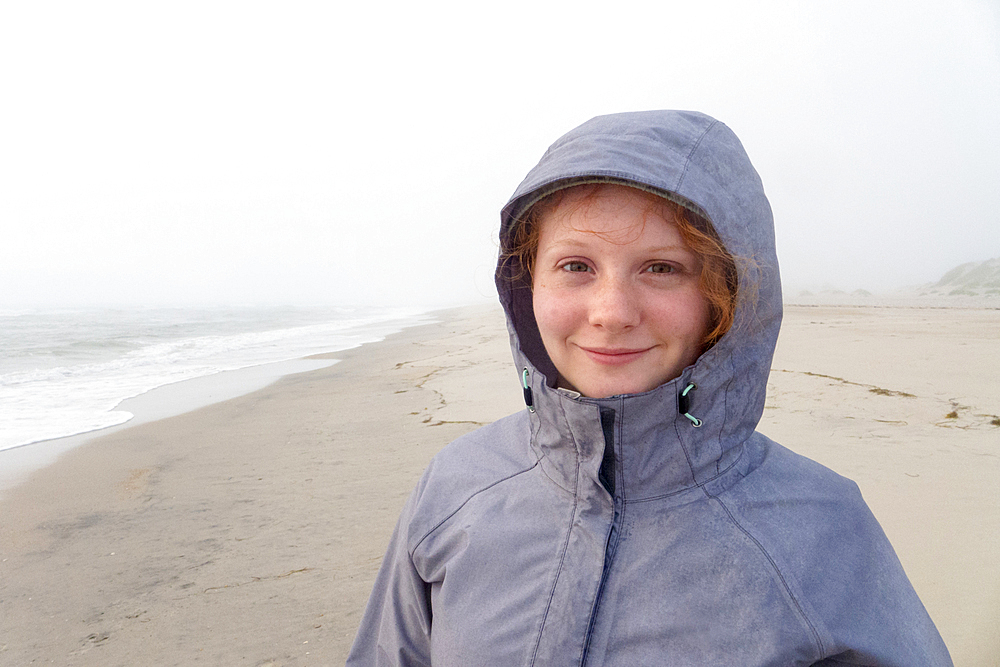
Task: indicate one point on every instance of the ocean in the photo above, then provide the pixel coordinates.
(65, 372)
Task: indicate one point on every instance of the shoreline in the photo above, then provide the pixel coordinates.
(18, 462)
(169, 400)
(250, 530)
(69, 372)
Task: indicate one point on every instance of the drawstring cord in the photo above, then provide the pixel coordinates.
(684, 404)
(528, 398)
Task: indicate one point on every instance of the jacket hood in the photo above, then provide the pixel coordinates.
(698, 162)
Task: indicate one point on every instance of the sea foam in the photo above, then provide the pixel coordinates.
(65, 372)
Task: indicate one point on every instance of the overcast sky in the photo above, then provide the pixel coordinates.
(333, 152)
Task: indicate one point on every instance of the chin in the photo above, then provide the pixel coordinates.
(601, 390)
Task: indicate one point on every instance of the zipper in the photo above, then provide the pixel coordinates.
(609, 555)
(611, 546)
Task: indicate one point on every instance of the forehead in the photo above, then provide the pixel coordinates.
(606, 210)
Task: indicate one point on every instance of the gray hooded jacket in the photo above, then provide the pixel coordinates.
(614, 531)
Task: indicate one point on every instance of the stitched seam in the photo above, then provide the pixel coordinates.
(562, 558)
(610, 550)
(687, 456)
(464, 503)
(534, 435)
(696, 485)
(555, 582)
(798, 607)
(725, 403)
(687, 160)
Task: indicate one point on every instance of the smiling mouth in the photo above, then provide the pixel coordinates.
(614, 356)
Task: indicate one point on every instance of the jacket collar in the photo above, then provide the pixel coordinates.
(659, 451)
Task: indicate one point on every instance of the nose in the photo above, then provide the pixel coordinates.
(614, 305)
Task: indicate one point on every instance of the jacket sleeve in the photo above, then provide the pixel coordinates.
(395, 630)
(875, 617)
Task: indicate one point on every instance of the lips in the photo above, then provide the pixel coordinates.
(614, 356)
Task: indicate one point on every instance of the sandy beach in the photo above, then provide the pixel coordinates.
(249, 531)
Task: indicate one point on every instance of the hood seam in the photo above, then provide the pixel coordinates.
(725, 413)
(696, 485)
(694, 149)
(684, 447)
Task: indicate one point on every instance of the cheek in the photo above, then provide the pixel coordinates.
(684, 315)
(696, 313)
(553, 313)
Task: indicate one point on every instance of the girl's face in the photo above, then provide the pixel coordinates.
(615, 292)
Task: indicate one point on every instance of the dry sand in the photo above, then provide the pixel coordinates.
(249, 532)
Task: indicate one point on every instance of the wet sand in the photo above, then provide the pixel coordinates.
(249, 531)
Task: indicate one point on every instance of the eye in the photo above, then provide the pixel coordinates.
(661, 267)
(575, 267)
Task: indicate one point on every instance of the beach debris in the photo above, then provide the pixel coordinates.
(889, 392)
(872, 388)
(254, 580)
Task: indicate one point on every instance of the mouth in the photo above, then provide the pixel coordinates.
(614, 356)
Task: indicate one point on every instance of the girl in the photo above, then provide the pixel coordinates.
(631, 515)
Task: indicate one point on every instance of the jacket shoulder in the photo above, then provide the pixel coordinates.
(839, 567)
(471, 464)
(790, 494)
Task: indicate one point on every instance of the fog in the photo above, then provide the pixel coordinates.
(242, 153)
